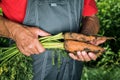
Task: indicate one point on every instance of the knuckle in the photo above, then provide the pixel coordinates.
(30, 46)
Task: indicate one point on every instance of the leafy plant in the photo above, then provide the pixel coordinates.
(100, 73)
(105, 68)
(108, 13)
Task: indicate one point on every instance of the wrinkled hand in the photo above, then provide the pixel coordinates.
(83, 55)
(26, 39)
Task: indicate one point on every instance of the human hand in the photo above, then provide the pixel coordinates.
(26, 39)
(84, 55)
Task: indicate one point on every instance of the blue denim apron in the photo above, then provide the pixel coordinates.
(55, 16)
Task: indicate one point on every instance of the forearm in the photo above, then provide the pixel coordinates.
(90, 25)
(8, 28)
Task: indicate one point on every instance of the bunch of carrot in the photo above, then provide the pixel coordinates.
(79, 42)
(71, 42)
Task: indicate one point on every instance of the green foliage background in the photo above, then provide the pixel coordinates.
(106, 67)
(109, 12)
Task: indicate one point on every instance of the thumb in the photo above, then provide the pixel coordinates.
(42, 33)
(38, 32)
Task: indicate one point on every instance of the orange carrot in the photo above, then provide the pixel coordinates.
(85, 38)
(74, 46)
(78, 37)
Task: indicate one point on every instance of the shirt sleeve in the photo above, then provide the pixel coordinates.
(89, 8)
(15, 11)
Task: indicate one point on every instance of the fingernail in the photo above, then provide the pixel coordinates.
(78, 53)
(70, 54)
(83, 52)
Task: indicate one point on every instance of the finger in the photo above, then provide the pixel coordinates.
(100, 42)
(23, 51)
(43, 33)
(79, 54)
(73, 56)
(39, 48)
(93, 42)
(38, 31)
(85, 56)
(27, 51)
(97, 41)
(32, 49)
(29, 48)
(92, 56)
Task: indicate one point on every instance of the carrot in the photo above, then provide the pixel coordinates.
(78, 37)
(85, 38)
(71, 42)
(74, 46)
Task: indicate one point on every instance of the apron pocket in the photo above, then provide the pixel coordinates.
(52, 2)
